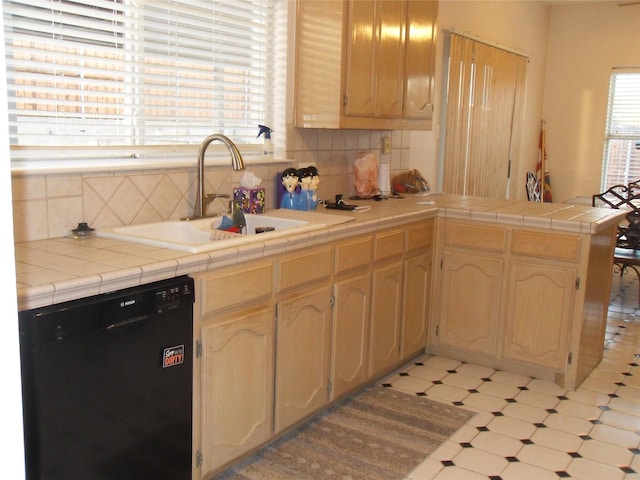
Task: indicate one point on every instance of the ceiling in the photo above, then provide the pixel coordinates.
(578, 2)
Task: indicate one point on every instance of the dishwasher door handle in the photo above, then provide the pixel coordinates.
(130, 322)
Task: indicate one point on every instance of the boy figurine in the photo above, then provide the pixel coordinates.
(309, 180)
(304, 179)
(290, 181)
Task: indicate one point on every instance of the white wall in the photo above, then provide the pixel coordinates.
(586, 41)
(517, 25)
(11, 441)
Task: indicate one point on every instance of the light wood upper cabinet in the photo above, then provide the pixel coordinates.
(365, 64)
(375, 58)
(419, 59)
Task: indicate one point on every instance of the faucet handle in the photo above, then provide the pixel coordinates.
(210, 197)
(213, 196)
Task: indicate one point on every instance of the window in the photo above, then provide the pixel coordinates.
(124, 73)
(621, 163)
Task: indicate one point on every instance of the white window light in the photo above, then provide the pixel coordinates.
(139, 80)
(621, 164)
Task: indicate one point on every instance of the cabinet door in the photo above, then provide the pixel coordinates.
(375, 58)
(469, 302)
(361, 33)
(538, 313)
(236, 396)
(419, 59)
(386, 305)
(350, 334)
(390, 32)
(303, 356)
(416, 304)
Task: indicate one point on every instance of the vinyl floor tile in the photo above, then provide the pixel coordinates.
(498, 389)
(497, 443)
(568, 423)
(615, 436)
(552, 438)
(544, 457)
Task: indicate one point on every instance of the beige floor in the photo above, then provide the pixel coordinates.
(533, 429)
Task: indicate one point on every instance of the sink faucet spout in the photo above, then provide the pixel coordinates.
(203, 200)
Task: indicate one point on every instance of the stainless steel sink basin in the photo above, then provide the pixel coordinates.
(201, 235)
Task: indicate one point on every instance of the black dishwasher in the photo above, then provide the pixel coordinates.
(107, 385)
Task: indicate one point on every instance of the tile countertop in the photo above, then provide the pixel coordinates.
(60, 269)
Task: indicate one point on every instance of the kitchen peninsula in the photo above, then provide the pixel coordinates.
(514, 285)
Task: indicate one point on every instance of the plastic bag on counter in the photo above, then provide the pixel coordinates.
(365, 173)
(410, 181)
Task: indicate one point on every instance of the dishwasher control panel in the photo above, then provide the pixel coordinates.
(173, 296)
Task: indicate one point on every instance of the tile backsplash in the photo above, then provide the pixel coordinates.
(50, 205)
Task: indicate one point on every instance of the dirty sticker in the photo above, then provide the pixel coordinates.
(173, 356)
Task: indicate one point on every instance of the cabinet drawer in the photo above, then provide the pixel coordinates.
(301, 268)
(420, 236)
(235, 286)
(353, 254)
(546, 245)
(388, 244)
(475, 236)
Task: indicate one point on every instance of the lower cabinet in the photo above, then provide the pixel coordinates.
(469, 302)
(279, 338)
(236, 385)
(539, 307)
(350, 334)
(416, 304)
(514, 297)
(303, 356)
(386, 318)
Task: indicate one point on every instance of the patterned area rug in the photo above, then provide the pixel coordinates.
(377, 434)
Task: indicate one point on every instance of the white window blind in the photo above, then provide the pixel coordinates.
(98, 73)
(484, 105)
(622, 141)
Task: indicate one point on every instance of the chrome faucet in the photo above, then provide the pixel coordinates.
(203, 200)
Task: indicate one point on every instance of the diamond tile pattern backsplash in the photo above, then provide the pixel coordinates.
(49, 206)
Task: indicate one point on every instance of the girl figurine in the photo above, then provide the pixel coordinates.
(315, 181)
(290, 182)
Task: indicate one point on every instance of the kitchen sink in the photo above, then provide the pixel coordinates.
(202, 235)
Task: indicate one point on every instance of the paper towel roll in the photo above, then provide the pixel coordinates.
(384, 178)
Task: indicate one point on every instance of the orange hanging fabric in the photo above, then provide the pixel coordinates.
(542, 168)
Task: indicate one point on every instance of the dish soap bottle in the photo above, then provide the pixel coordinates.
(267, 148)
